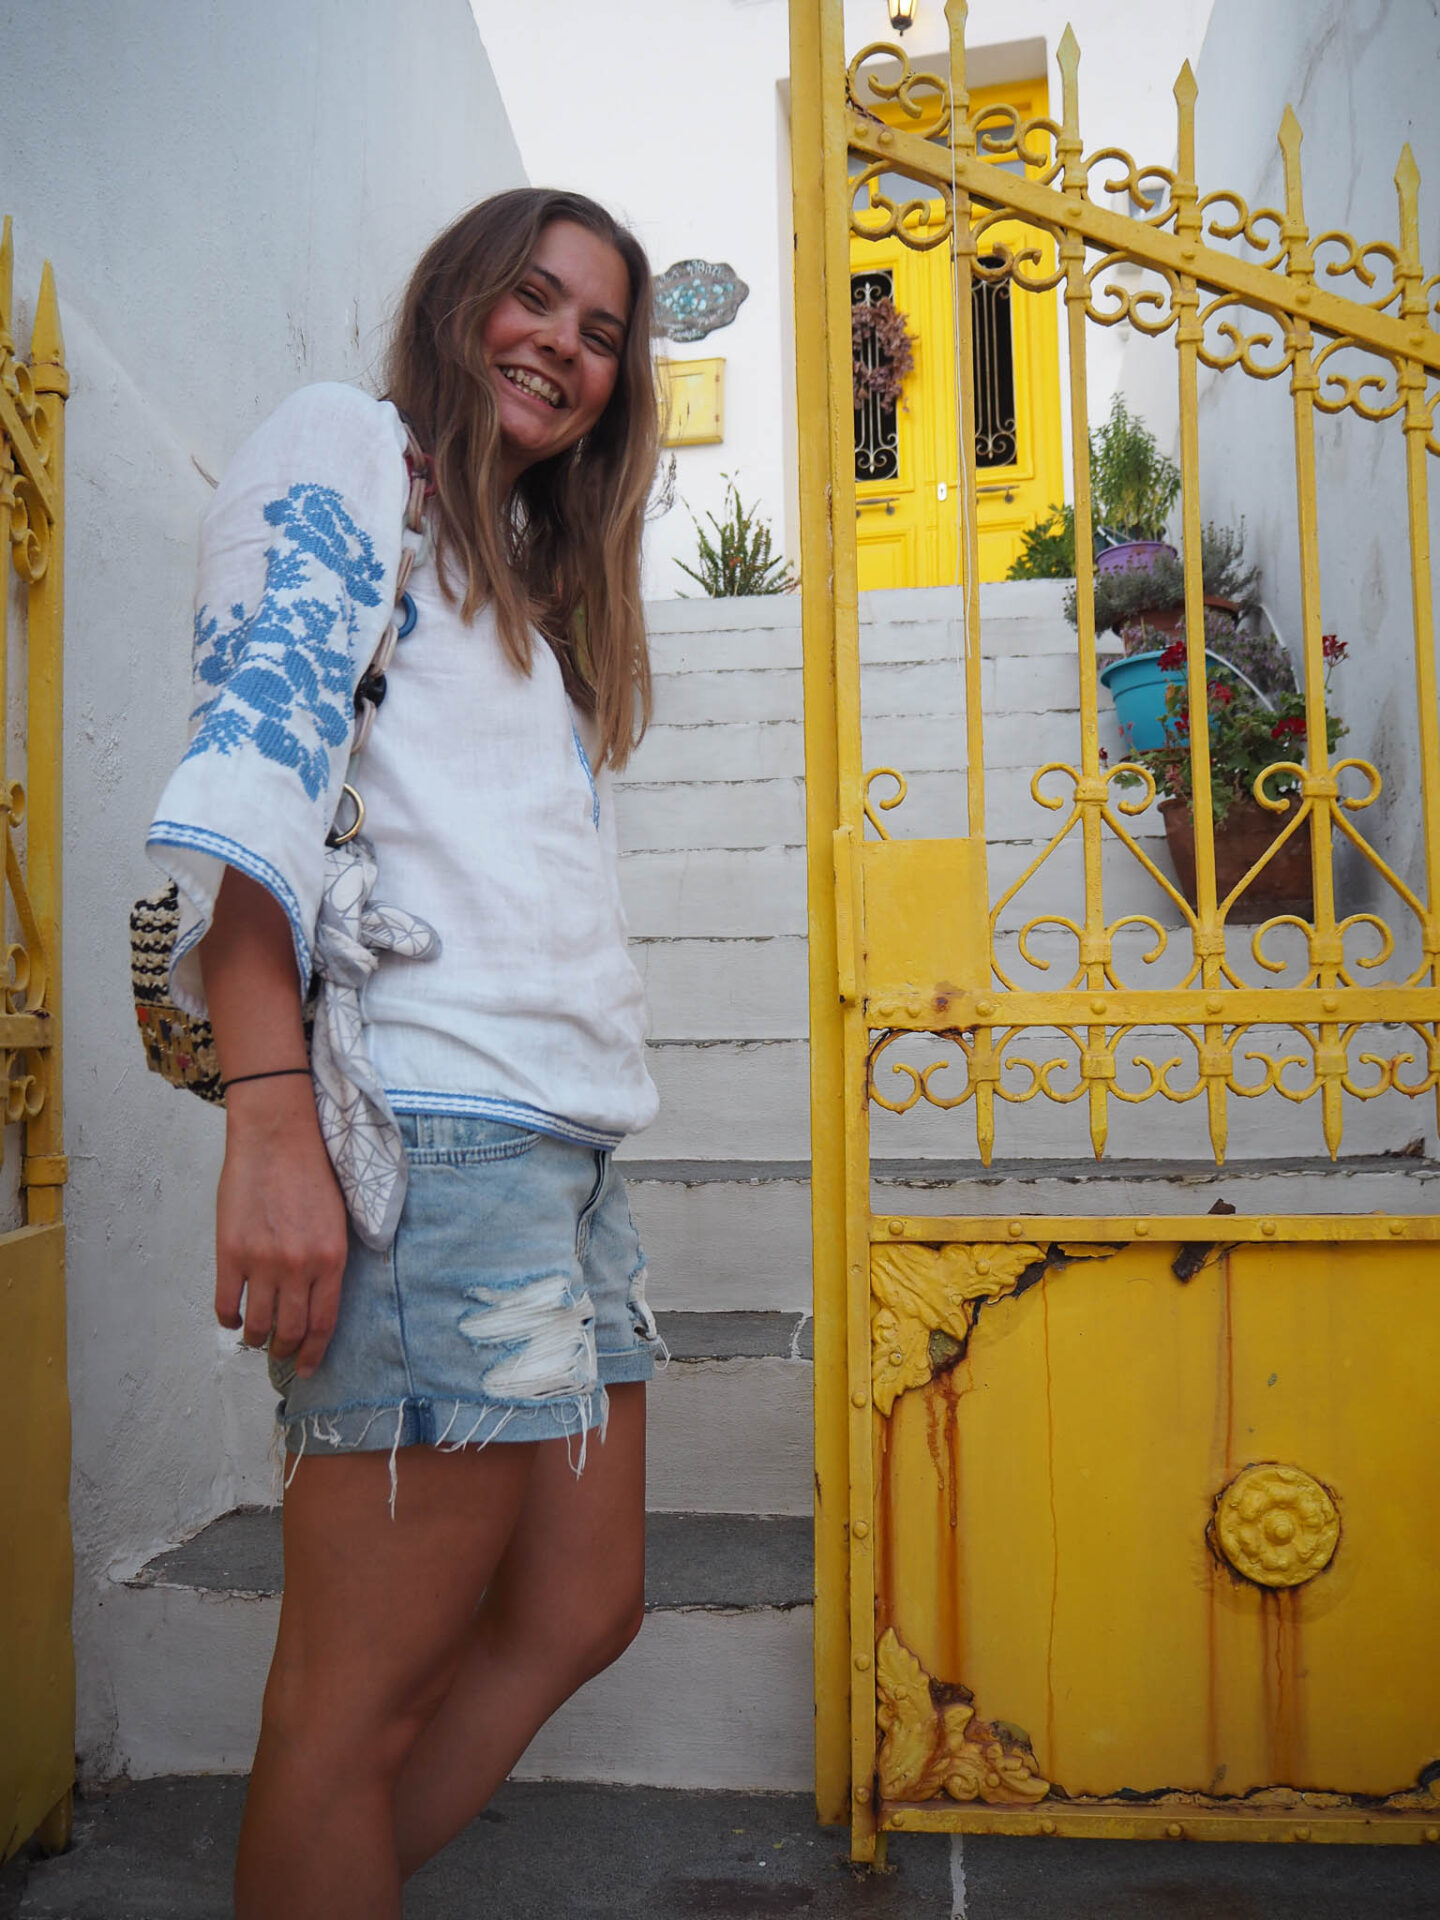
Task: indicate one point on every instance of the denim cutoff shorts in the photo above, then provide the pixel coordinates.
(512, 1297)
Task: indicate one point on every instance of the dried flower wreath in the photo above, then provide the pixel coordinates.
(882, 351)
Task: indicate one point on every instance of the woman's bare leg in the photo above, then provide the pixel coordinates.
(566, 1600)
(373, 1620)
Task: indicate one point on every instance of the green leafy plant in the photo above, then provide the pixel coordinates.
(1248, 732)
(741, 558)
(1159, 586)
(1047, 548)
(1133, 487)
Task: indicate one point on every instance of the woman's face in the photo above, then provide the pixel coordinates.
(552, 345)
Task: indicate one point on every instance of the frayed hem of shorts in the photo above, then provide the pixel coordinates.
(447, 1425)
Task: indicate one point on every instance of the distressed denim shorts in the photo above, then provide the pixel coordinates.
(512, 1297)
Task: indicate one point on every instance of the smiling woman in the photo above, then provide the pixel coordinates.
(465, 550)
(540, 506)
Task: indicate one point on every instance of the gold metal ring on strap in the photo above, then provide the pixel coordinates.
(342, 839)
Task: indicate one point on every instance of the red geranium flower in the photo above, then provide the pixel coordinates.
(1221, 692)
(1332, 647)
(1283, 729)
(1174, 655)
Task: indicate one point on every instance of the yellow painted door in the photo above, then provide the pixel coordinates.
(907, 498)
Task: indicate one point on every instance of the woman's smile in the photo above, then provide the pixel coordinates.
(553, 345)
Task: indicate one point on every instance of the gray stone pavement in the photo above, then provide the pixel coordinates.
(161, 1850)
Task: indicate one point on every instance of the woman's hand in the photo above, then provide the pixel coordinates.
(280, 1229)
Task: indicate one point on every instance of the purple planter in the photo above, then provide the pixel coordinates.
(1134, 553)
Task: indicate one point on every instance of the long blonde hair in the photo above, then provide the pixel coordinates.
(562, 553)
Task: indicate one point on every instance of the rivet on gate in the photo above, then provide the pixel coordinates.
(1047, 1826)
(1267, 1227)
(862, 1795)
(1174, 1830)
(1432, 1833)
(1142, 1227)
(1017, 1228)
(1397, 1226)
(896, 1226)
(857, 1399)
(1302, 1833)
(861, 1530)
(862, 1663)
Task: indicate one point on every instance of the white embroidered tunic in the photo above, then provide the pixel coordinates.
(484, 816)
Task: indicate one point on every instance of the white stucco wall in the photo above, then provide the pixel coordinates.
(1361, 80)
(231, 197)
(678, 119)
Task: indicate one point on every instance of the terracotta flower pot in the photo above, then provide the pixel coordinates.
(1240, 839)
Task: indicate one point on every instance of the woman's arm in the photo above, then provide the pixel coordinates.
(280, 1230)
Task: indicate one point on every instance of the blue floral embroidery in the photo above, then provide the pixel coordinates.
(283, 674)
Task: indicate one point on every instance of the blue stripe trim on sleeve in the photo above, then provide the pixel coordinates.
(489, 1106)
(183, 834)
(589, 776)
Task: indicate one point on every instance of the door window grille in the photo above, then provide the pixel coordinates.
(877, 420)
(994, 370)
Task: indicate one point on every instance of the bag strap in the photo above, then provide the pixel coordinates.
(371, 688)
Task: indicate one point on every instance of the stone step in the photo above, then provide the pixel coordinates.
(1009, 683)
(731, 1417)
(733, 1100)
(726, 1648)
(757, 988)
(164, 1849)
(774, 749)
(705, 815)
(913, 624)
(708, 893)
(727, 1237)
(740, 989)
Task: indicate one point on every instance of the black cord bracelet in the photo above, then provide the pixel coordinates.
(274, 1073)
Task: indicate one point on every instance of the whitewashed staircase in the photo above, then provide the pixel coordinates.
(717, 1690)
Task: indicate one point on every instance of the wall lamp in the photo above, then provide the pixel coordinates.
(902, 14)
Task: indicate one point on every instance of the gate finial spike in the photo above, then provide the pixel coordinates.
(47, 343)
(1067, 58)
(1407, 186)
(1290, 137)
(1186, 92)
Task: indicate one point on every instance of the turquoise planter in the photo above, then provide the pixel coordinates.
(1137, 684)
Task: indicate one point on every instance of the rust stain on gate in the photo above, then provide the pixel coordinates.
(1122, 1524)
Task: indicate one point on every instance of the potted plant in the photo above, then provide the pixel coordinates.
(1133, 488)
(1256, 717)
(1154, 595)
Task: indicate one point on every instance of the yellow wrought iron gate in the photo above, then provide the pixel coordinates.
(1124, 1526)
(37, 1679)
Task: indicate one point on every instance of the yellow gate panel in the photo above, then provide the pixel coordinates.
(1123, 1527)
(37, 1680)
(1056, 1530)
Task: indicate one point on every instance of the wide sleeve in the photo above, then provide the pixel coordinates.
(296, 583)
